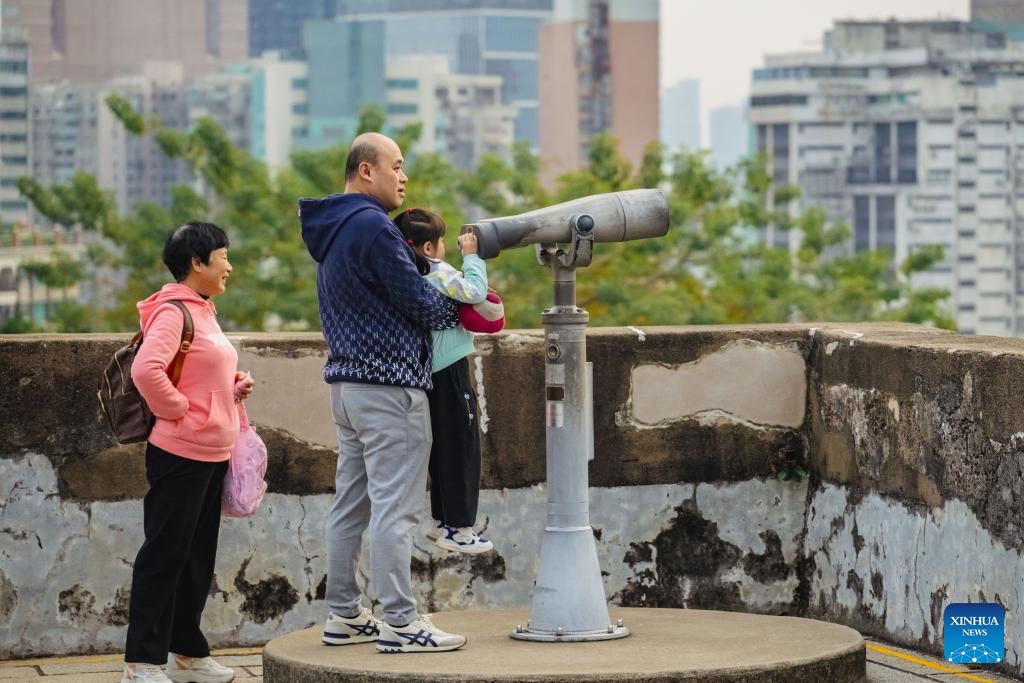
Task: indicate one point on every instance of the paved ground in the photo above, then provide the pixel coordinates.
(886, 664)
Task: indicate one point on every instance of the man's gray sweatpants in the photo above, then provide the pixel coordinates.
(384, 446)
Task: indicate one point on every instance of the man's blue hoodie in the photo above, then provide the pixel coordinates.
(376, 310)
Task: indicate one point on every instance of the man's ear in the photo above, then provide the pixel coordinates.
(366, 170)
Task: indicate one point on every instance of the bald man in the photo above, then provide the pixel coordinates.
(376, 312)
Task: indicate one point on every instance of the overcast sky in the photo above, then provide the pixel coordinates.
(718, 42)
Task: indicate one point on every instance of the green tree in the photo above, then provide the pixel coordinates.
(710, 268)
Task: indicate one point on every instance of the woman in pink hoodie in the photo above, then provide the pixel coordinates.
(186, 458)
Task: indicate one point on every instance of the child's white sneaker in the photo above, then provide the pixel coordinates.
(144, 673)
(362, 628)
(463, 540)
(435, 531)
(419, 636)
(182, 669)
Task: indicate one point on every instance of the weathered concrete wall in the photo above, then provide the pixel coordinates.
(918, 443)
(913, 437)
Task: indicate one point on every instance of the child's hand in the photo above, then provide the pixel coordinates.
(243, 386)
(467, 243)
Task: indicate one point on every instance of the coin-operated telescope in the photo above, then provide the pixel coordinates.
(569, 603)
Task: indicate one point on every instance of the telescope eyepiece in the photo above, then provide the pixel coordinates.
(583, 223)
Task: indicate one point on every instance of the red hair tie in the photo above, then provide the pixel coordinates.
(409, 241)
(409, 211)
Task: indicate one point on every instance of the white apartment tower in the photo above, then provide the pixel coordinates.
(913, 134)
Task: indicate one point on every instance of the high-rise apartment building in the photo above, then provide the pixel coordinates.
(999, 16)
(74, 131)
(279, 114)
(15, 150)
(462, 115)
(477, 36)
(95, 40)
(680, 115)
(598, 72)
(912, 133)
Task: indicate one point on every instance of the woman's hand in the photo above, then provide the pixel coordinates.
(244, 386)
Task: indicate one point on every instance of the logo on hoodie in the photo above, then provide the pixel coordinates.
(219, 339)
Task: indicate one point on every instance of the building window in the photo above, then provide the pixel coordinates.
(9, 182)
(780, 153)
(13, 92)
(13, 67)
(403, 108)
(762, 137)
(883, 153)
(778, 100)
(13, 115)
(861, 223)
(300, 108)
(13, 206)
(906, 152)
(13, 137)
(13, 161)
(403, 83)
(885, 222)
(300, 83)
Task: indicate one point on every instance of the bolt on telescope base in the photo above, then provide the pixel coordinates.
(611, 633)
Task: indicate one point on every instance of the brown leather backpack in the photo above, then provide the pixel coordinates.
(128, 416)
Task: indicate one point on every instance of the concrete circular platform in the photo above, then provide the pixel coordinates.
(665, 645)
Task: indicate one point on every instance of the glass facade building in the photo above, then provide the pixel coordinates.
(277, 24)
(494, 37)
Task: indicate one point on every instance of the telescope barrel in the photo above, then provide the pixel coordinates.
(617, 217)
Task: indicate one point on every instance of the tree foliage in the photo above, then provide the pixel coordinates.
(712, 267)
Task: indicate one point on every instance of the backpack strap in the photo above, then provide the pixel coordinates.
(187, 334)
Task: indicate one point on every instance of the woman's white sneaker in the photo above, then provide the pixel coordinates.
(463, 540)
(182, 669)
(144, 673)
(419, 636)
(345, 631)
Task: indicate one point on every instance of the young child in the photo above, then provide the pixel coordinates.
(455, 454)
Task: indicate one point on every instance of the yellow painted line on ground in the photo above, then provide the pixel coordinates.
(115, 658)
(925, 662)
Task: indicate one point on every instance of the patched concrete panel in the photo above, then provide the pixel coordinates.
(290, 396)
(749, 381)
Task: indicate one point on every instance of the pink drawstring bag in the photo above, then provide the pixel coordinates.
(244, 487)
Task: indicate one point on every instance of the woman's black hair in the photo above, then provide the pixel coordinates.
(419, 227)
(195, 239)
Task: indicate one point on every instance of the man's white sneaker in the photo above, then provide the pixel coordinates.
(463, 540)
(144, 673)
(419, 636)
(182, 669)
(344, 631)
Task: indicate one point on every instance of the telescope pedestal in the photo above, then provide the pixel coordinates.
(568, 600)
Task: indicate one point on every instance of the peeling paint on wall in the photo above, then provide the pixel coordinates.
(906, 566)
(667, 545)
